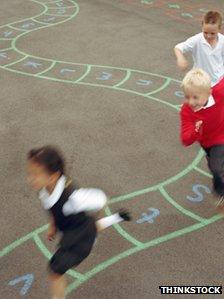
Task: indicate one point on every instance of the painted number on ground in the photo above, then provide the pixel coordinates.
(179, 94)
(149, 217)
(198, 190)
(104, 76)
(27, 281)
(144, 82)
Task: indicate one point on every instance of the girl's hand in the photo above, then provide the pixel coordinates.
(51, 233)
(198, 125)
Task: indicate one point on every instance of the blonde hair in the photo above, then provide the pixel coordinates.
(196, 78)
(213, 17)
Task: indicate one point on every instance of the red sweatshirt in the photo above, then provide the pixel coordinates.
(212, 129)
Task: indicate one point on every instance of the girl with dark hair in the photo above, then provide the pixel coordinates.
(68, 208)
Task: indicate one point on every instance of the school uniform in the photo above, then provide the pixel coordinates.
(211, 133)
(69, 206)
(210, 59)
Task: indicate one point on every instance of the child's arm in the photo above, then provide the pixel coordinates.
(85, 199)
(191, 131)
(181, 60)
(51, 229)
(182, 48)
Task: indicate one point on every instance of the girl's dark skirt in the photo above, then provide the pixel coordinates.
(74, 247)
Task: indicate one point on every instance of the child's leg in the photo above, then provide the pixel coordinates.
(216, 165)
(105, 222)
(57, 285)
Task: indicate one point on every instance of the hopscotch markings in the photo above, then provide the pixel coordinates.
(63, 11)
(178, 107)
(147, 2)
(88, 69)
(142, 82)
(196, 194)
(7, 32)
(6, 49)
(4, 56)
(179, 207)
(31, 65)
(65, 72)
(61, 7)
(59, 4)
(53, 19)
(183, 13)
(8, 57)
(205, 173)
(204, 10)
(199, 195)
(59, 16)
(123, 232)
(15, 62)
(105, 76)
(41, 23)
(186, 14)
(200, 226)
(27, 26)
(149, 218)
(57, 19)
(17, 28)
(153, 216)
(176, 6)
(27, 280)
(162, 87)
(46, 19)
(47, 70)
(5, 44)
(170, 92)
(179, 94)
(127, 76)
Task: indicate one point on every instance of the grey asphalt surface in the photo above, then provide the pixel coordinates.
(115, 139)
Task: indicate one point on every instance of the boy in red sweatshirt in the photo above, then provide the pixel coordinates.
(202, 120)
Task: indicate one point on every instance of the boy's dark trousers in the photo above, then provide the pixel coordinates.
(215, 157)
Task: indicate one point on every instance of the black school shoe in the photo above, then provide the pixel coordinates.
(125, 215)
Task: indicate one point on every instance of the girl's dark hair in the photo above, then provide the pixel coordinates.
(49, 157)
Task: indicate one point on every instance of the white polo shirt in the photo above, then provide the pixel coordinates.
(210, 59)
(84, 199)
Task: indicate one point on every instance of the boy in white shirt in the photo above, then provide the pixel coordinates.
(207, 48)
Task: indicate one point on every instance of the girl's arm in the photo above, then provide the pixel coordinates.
(52, 230)
(85, 199)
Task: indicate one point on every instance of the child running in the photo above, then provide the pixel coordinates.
(68, 209)
(207, 48)
(202, 120)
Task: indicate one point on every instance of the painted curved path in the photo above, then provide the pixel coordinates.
(143, 84)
